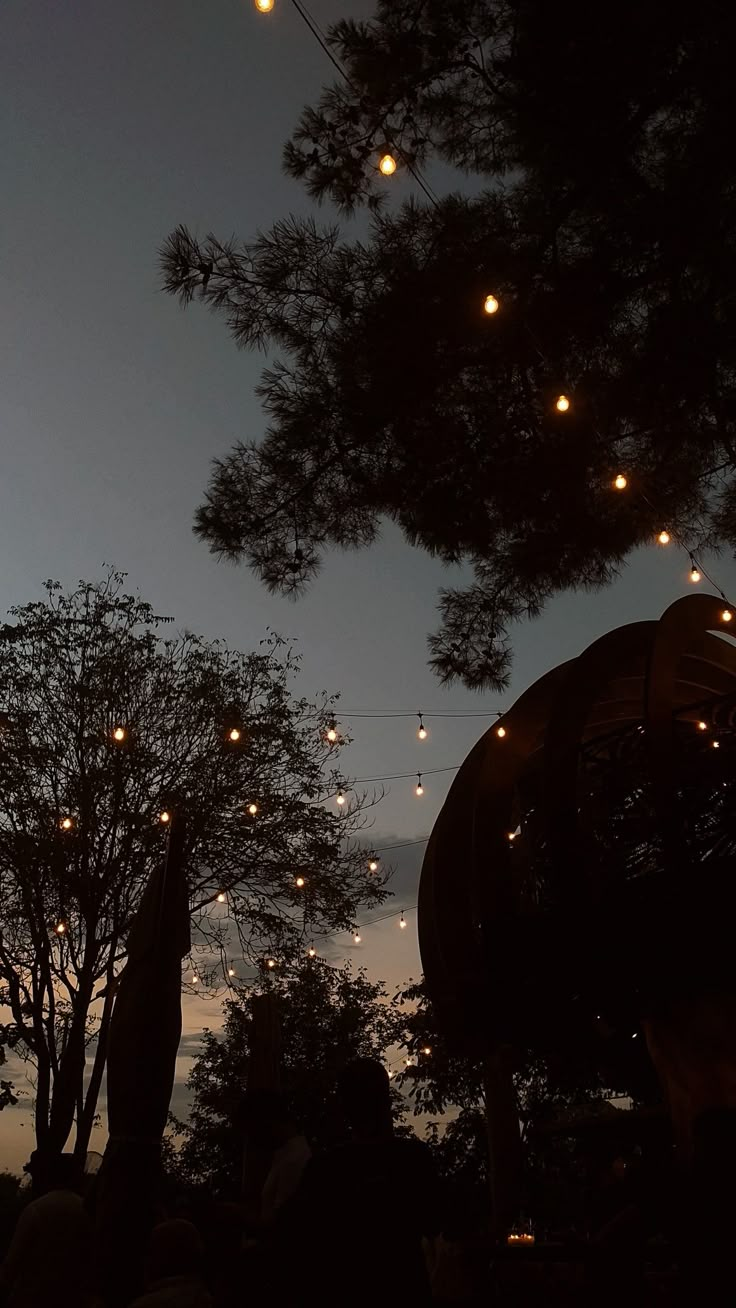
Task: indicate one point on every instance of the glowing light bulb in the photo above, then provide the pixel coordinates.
(164, 817)
(512, 835)
(426, 1050)
(372, 864)
(60, 928)
(119, 734)
(264, 6)
(702, 726)
(252, 809)
(340, 798)
(387, 165)
(357, 937)
(562, 403)
(620, 483)
(231, 971)
(312, 952)
(663, 538)
(402, 922)
(300, 882)
(221, 897)
(490, 304)
(331, 734)
(419, 789)
(726, 615)
(270, 963)
(694, 574)
(66, 823)
(716, 744)
(234, 735)
(422, 732)
(195, 980)
(500, 732)
(391, 1075)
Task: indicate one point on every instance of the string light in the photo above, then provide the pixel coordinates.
(300, 882)
(716, 744)
(253, 809)
(512, 835)
(726, 615)
(422, 732)
(231, 971)
(340, 798)
(270, 963)
(221, 897)
(501, 732)
(387, 165)
(357, 937)
(402, 922)
(331, 733)
(419, 789)
(66, 823)
(311, 952)
(694, 571)
(119, 734)
(195, 979)
(426, 1051)
(372, 864)
(164, 817)
(234, 735)
(60, 928)
(702, 726)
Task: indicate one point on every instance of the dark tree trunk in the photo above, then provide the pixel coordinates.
(69, 1078)
(263, 1074)
(85, 1119)
(504, 1141)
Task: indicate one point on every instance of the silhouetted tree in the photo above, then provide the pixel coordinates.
(105, 726)
(449, 1089)
(328, 1016)
(601, 217)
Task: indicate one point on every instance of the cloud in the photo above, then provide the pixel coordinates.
(191, 1043)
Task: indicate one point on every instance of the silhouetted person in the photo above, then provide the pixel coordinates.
(709, 1212)
(364, 1206)
(175, 1268)
(265, 1118)
(222, 1226)
(51, 1256)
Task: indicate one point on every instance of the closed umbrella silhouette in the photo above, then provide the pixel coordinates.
(144, 1039)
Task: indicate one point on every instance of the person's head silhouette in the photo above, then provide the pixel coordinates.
(264, 1116)
(365, 1097)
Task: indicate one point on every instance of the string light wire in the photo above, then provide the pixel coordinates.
(321, 39)
(562, 402)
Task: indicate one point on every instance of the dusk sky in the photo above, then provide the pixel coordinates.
(117, 122)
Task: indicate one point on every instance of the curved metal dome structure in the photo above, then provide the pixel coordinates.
(583, 862)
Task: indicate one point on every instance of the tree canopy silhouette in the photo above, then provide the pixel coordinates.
(105, 726)
(599, 213)
(327, 1016)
